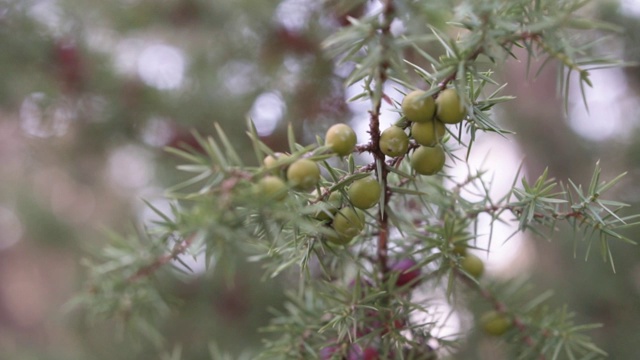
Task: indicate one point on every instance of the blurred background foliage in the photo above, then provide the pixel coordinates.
(91, 92)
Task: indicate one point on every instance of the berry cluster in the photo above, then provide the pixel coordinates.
(346, 218)
(342, 210)
(428, 117)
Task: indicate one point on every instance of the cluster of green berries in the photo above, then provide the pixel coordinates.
(428, 117)
(346, 217)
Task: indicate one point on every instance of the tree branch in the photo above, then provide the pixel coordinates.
(380, 76)
(150, 269)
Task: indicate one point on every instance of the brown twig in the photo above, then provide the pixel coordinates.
(380, 77)
(178, 249)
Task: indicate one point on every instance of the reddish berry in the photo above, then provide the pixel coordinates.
(327, 352)
(407, 272)
(357, 353)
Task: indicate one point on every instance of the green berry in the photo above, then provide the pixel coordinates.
(472, 265)
(417, 107)
(347, 224)
(332, 205)
(394, 141)
(303, 174)
(270, 160)
(341, 138)
(427, 160)
(428, 133)
(364, 193)
(495, 323)
(450, 109)
(460, 248)
(272, 187)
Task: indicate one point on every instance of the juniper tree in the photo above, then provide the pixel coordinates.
(370, 231)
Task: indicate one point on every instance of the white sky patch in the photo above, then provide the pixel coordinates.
(295, 14)
(267, 111)
(196, 264)
(501, 158)
(48, 13)
(162, 66)
(449, 322)
(153, 196)
(360, 108)
(147, 216)
(630, 7)
(609, 103)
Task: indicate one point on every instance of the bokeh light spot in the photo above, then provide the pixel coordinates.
(162, 66)
(267, 111)
(130, 167)
(40, 116)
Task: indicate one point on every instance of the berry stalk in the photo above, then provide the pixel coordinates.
(380, 76)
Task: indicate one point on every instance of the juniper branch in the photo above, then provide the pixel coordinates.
(180, 248)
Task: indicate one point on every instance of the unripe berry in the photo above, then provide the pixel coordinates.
(495, 323)
(303, 174)
(341, 138)
(460, 248)
(394, 141)
(270, 160)
(428, 133)
(407, 273)
(364, 193)
(417, 107)
(427, 160)
(332, 206)
(472, 265)
(450, 110)
(347, 224)
(272, 187)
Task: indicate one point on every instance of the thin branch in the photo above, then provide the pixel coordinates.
(150, 269)
(380, 76)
